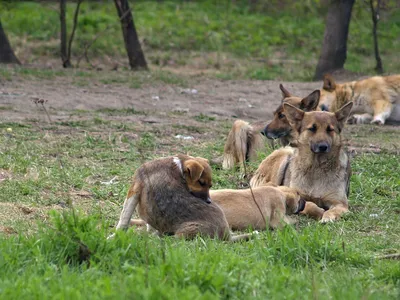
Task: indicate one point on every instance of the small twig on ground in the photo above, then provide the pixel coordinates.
(41, 101)
(389, 256)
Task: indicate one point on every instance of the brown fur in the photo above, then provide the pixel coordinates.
(172, 196)
(318, 167)
(376, 99)
(279, 127)
(245, 140)
(243, 143)
(241, 211)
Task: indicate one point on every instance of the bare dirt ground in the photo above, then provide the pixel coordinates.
(164, 104)
(252, 100)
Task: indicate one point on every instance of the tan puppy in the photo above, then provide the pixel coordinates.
(243, 143)
(279, 127)
(275, 203)
(172, 196)
(376, 99)
(318, 167)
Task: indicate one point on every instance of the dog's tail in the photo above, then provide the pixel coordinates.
(237, 144)
(129, 207)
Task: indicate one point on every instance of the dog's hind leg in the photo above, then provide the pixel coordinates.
(127, 211)
(382, 111)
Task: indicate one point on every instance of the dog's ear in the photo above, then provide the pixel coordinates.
(193, 169)
(343, 113)
(294, 115)
(285, 92)
(329, 83)
(310, 102)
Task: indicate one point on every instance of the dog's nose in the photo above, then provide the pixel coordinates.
(301, 206)
(208, 200)
(322, 147)
(324, 107)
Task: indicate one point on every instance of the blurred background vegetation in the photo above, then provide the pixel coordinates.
(264, 39)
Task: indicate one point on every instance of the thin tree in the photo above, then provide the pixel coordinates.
(334, 47)
(66, 50)
(375, 20)
(131, 39)
(7, 55)
(64, 53)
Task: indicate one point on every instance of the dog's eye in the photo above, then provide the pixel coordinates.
(313, 128)
(202, 183)
(281, 115)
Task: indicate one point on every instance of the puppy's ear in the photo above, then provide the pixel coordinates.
(343, 113)
(294, 115)
(329, 83)
(310, 102)
(193, 169)
(285, 92)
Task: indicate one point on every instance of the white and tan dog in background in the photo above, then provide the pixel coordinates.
(376, 99)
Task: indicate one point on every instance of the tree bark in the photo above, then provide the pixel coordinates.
(334, 47)
(131, 39)
(7, 55)
(64, 53)
(375, 20)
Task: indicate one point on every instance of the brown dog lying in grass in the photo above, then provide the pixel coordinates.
(242, 207)
(376, 99)
(172, 196)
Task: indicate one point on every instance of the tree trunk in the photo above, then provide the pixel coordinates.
(334, 47)
(131, 39)
(375, 19)
(7, 55)
(64, 54)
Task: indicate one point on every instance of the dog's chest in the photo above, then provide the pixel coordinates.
(319, 182)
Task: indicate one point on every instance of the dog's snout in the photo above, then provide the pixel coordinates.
(208, 200)
(322, 147)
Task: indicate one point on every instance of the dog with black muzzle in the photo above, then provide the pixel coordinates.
(172, 196)
(279, 127)
(319, 168)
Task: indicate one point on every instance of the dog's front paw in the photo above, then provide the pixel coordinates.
(328, 217)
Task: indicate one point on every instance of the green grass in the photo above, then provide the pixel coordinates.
(273, 40)
(53, 167)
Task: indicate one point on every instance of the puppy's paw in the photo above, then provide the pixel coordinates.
(255, 232)
(326, 220)
(328, 217)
